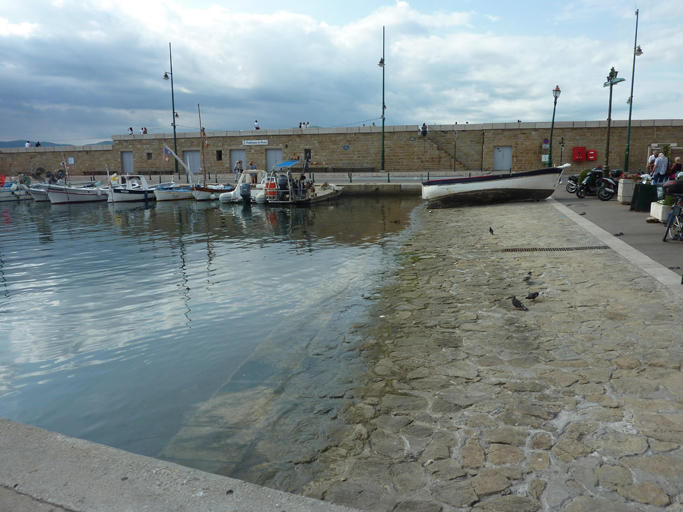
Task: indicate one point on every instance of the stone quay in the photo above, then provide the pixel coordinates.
(472, 404)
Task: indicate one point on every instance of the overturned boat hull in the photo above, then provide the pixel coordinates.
(497, 188)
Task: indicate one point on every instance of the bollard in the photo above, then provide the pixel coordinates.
(470, 175)
(427, 175)
(350, 177)
(388, 178)
(216, 176)
(160, 178)
(187, 178)
(312, 178)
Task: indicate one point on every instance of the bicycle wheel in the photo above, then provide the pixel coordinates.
(673, 224)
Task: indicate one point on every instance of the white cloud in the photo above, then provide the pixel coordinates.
(23, 29)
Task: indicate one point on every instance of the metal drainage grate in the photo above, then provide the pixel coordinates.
(555, 249)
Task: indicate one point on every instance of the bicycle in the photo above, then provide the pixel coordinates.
(674, 222)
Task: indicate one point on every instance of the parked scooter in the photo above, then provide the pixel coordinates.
(590, 184)
(608, 187)
(572, 183)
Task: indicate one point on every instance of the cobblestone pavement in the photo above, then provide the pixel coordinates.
(471, 404)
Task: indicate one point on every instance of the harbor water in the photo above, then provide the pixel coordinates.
(216, 336)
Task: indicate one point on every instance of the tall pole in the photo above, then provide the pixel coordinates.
(636, 51)
(605, 168)
(556, 94)
(384, 107)
(175, 139)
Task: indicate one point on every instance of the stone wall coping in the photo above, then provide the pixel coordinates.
(352, 130)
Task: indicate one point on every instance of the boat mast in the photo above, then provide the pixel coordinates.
(202, 137)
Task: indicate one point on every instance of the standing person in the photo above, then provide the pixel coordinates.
(661, 168)
(130, 130)
(424, 130)
(256, 125)
(651, 161)
(236, 170)
(675, 168)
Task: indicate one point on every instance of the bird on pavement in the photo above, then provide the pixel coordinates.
(491, 230)
(527, 277)
(518, 304)
(533, 296)
(582, 213)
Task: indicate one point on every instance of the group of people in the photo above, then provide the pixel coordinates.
(238, 169)
(658, 166)
(29, 145)
(303, 124)
(143, 130)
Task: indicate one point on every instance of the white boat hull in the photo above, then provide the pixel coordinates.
(529, 185)
(209, 193)
(69, 195)
(129, 196)
(173, 194)
(9, 195)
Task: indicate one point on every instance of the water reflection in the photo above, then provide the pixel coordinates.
(122, 322)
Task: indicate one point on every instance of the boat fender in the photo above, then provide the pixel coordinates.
(212, 196)
(261, 198)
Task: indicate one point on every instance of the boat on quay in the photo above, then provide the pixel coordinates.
(494, 188)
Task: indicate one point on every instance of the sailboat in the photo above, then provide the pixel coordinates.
(174, 192)
(203, 191)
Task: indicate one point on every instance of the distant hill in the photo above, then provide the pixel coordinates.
(22, 143)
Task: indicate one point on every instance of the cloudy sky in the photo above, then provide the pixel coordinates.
(78, 71)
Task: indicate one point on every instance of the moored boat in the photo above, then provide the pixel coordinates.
(132, 188)
(13, 192)
(67, 194)
(494, 188)
(173, 193)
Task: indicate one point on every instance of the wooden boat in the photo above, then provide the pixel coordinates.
(203, 190)
(173, 193)
(495, 188)
(13, 192)
(132, 188)
(65, 194)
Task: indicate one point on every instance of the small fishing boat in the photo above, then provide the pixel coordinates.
(206, 191)
(38, 192)
(132, 188)
(13, 192)
(173, 193)
(494, 188)
(70, 194)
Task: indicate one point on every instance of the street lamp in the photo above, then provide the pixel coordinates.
(611, 80)
(384, 107)
(637, 52)
(175, 114)
(556, 94)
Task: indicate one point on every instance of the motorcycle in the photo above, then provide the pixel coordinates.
(572, 183)
(608, 187)
(589, 185)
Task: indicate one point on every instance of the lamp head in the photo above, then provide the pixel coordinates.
(639, 51)
(166, 77)
(556, 92)
(176, 114)
(381, 62)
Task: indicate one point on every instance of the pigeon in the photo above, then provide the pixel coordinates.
(619, 234)
(518, 304)
(491, 230)
(533, 296)
(527, 277)
(582, 213)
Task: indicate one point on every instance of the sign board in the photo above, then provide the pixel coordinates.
(544, 159)
(71, 160)
(546, 146)
(346, 147)
(412, 138)
(254, 142)
(546, 141)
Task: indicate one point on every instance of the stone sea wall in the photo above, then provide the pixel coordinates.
(445, 148)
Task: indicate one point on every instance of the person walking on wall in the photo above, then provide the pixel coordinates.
(661, 168)
(256, 125)
(130, 130)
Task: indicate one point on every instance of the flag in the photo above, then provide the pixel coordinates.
(167, 153)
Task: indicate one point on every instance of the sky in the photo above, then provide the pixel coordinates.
(80, 71)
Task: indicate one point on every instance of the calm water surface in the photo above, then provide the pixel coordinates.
(120, 323)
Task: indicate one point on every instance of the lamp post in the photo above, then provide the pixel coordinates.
(611, 80)
(384, 107)
(556, 94)
(175, 114)
(637, 52)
